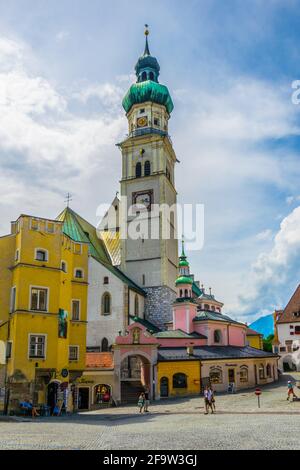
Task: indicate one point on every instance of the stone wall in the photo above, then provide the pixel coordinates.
(158, 305)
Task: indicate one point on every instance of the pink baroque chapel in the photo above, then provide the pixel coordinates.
(200, 345)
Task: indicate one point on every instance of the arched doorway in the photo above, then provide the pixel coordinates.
(164, 387)
(136, 377)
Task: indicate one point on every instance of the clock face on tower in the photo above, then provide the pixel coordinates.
(142, 121)
(142, 199)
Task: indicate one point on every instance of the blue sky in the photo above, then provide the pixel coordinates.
(64, 68)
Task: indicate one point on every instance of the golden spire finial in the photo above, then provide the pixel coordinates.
(147, 32)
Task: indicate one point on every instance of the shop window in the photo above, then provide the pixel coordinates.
(179, 380)
(102, 394)
(244, 374)
(261, 371)
(216, 376)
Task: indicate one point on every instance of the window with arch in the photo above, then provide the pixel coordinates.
(269, 371)
(106, 304)
(104, 345)
(217, 336)
(138, 170)
(215, 375)
(151, 76)
(186, 293)
(244, 374)
(180, 380)
(180, 292)
(206, 307)
(41, 255)
(147, 168)
(102, 394)
(136, 305)
(144, 76)
(261, 371)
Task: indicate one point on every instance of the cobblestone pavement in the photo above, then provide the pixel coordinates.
(169, 426)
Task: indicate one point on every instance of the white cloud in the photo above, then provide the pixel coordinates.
(45, 149)
(264, 235)
(276, 271)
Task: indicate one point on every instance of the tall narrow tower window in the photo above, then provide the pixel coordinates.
(144, 76)
(151, 76)
(147, 168)
(138, 170)
(136, 306)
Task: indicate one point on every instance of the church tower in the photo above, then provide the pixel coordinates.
(148, 164)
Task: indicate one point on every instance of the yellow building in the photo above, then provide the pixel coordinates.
(178, 378)
(43, 309)
(254, 339)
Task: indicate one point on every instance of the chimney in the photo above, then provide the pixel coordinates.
(190, 350)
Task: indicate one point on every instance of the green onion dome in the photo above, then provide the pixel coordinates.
(184, 280)
(148, 91)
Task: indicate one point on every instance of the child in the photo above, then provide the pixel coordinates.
(141, 402)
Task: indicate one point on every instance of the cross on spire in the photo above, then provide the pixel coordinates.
(68, 199)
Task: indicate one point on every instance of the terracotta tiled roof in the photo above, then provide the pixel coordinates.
(250, 332)
(99, 360)
(292, 308)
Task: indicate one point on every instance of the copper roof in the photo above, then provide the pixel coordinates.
(99, 360)
(250, 332)
(291, 313)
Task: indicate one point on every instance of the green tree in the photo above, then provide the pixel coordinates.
(267, 342)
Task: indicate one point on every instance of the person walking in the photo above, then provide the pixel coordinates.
(147, 401)
(141, 402)
(207, 399)
(290, 391)
(212, 400)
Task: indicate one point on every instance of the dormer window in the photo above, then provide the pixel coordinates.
(41, 255)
